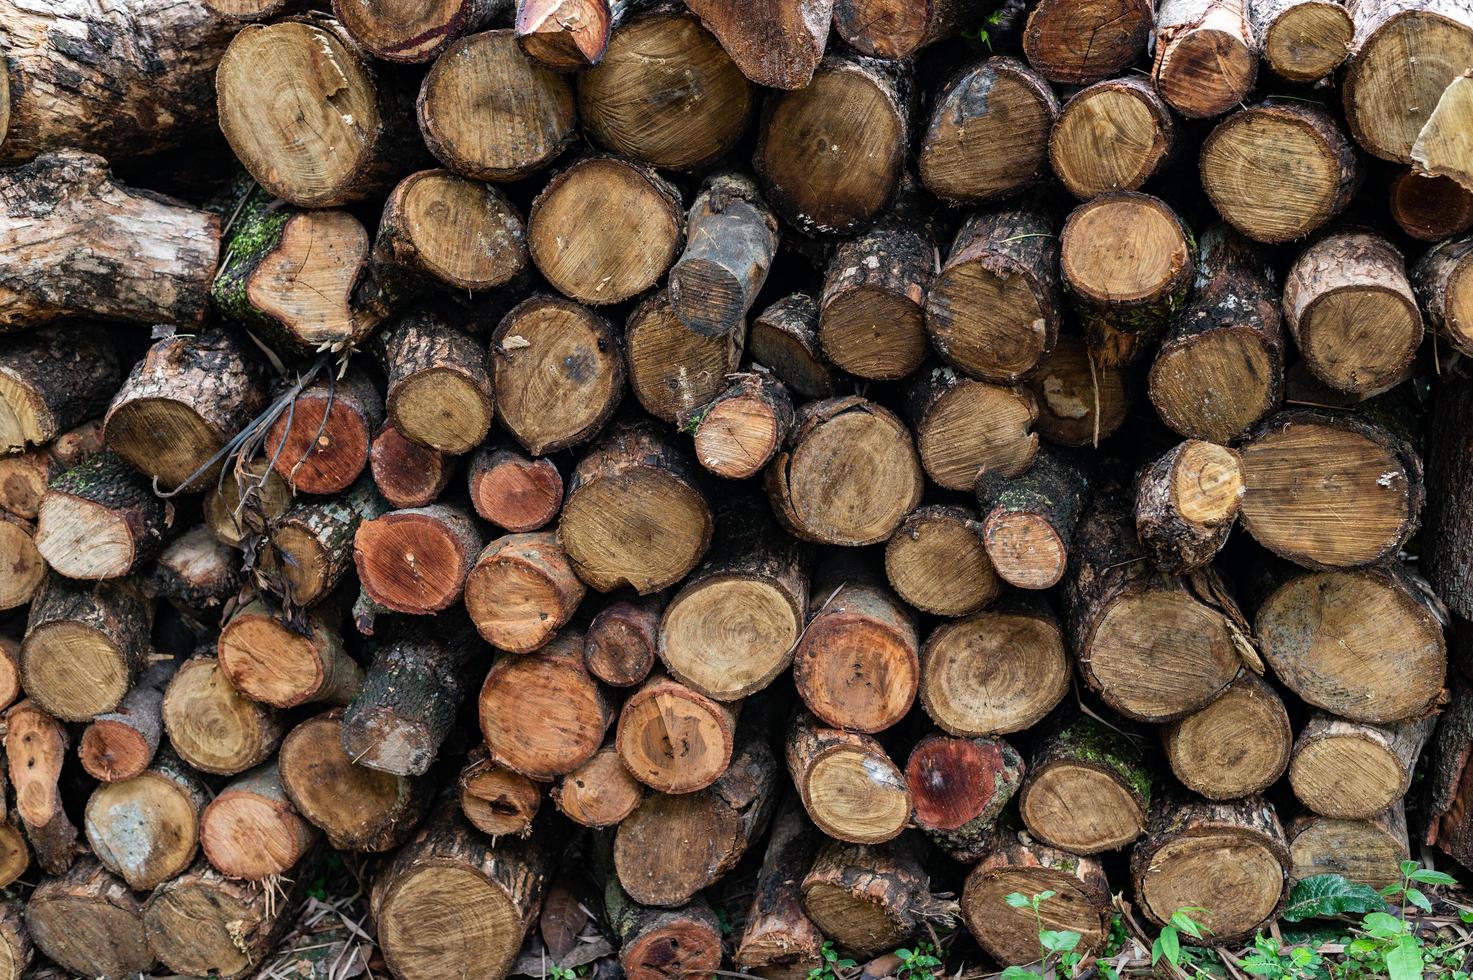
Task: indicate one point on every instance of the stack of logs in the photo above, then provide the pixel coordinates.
(800, 440)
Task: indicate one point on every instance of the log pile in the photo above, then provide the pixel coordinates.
(891, 454)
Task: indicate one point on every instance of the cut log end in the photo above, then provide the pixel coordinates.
(1082, 41)
(515, 492)
(1207, 483)
(730, 635)
(1206, 71)
(599, 793)
(937, 562)
(1308, 40)
(521, 591)
(542, 714)
(619, 647)
(1236, 746)
(846, 774)
(1112, 136)
(564, 35)
(1428, 208)
(674, 739)
(253, 832)
(498, 801)
(394, 32)
(1123, 248)
(73, 669)
(1025, 549)
(996, 672)
(416, 561)
(1114, 818)
(212, 726)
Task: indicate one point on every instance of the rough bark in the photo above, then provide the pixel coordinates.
(731, 239)
(100, 520)
(778, 45)
(871, 897)
(1186, 503)
(1366, 851)
(784, 339)
(310, 546)
(52, 380)
(439, 383)
(87, 921)
(779, 940)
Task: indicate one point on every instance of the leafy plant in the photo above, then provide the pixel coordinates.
(831, 966)
(1413, 874)
(1168, 943)
(1327, 896)
(920, 963)
(556, 972)
(1060, 945)
(1294, 963)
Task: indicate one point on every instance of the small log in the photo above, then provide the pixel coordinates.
(620, 645)
(535, 128)
(513, 491)
(779, 940)
(1080, 399)
(731, 238)
(675, 739)
(1112, 136)
(599, 793)
(24, 477)
(634, 514)
(454, 902)
(830, 172)
(1127, 263)
(84, 645)
(289, 128)
(1243, 170)
(1302, 40)
(1029, 517)
(496, 800)
(212, 726)
(251, 830)
(672, 369)
(121, 744)
(146, 829)
(737, 433)
(731, 629)
(542, 714)
(1443, 280)
(559, 373)
(195, 573)
(1237, 746)
(1229, 859)
(1442, 146)
(246, 502)
(995, 672)
(182, 403)
(25, 566)
(778, 45)
(784, 339)
(521, 591)
(1368, 852)
(310, 546)
(35, 748)
(848, 785)
(896, 29)
(568, 35)
(321, 446)
(1206, 58)
(1082, 759)
(440, 228)
(848, 476)
(406, 473)
(1429, 209)
(959, 787)
(1366, 644)
(869, 898)
(439, 391)
(416, 561)
(937, 563)
(597, 254)
(77, 243)
(247, 11)
(988, 134)
(16, 949)
(1077, 43)
(666, 93)
(99, 520)
(415, 34)
(672, 847)
(87, 921)
(1186, 503)
(1353, 770)
(657, 943)
(52, 380)
(1304, 468)
(284, 663)
(360, 809)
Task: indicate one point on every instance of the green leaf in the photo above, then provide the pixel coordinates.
(1018, 900)
(1185, 923)
(1383, 926)
(1404, 960)
(1419, 900)
(1326, 896)
(1408, 867)
(1044, 896)
(1167, 945)
(1058, 942)
(1018, 973)
(1427, 876)
(904, 954)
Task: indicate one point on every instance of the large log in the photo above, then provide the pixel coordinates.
(870, 897)
(1366, 851)
(1237, 746)
(1112, 136)
(1079, 760)
(542, 714)
(212, 726)
(965, 428)
(87, 921)
(1206, 57)
(937, 563)
(1076, 42)
(1354, 770)
(84, 645)
(439, 228)
(146, 829)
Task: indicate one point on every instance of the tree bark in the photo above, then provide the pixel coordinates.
(674, 739)
(848, 785)
(1206, 57)
(1029, 518)
(777, 45)
(779, 940)
(871, 897)
(1112, 136)
(121, 744)
(1186, 504)
(960, 786)
(87, 921)
(99, 520)
(310, 546)
(212, 726)
(84, 645)
(542, 714)
(1237, 746)
(784, 339)
(52, 380)
(439, 383)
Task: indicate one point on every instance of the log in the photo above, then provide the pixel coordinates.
(84, 645)
(569, 35)
(673, 369)
(35, 748)
(439, 383)
(848, 785)
(1302, 40)
(513, 491)
(416, 561)
(1441, 148)
(521, 591)
(1449, 518)
(778, 45)
(1076, 43)
(1112, 136)
(599, 793)
(779, 941)
(1220, 367)
(251, 830)
(960, 787)
(731, 629)
(1128, 263)
(25, 565)
(1186, 504)
(247, 11)
(731, 238)
(212, 726)
(634, 514)
(87, 921)
(994, 309)
(1244, 165)
(146, 829)
(243, 505)
(195, 573)
(1368, 852)
(1229, 859)
(869, 898)
(672, 847)
(597, 254)
(408, 703)
(1029, 517)
(359, 809)
(737, 433)
(673, 738)
(620, 645)
(666, 93)
(10, 688)
(25, 475)
(988, 133)
(421, 33)
(15, 859)
(1292, 505)
(542, 714)
(1206, 57)
(1017, 864)
(438, 228)
(1402, 59)
(1237, 746)
(937, 563)
(1352, 313)
(558, 371)
(310, 546)
(496, 800)
(894, 29)
(405, 473)
(657, 943)
(1364, 644)
(784, 339)
(480, 71)
(321, 446)
(121, 744)
(995, 672)
(324, 127)
(16, 949)
(453, 902)
(99, 520)
(1429, 209)
(829, 172)
(1445, 793)
(1354, 770)
(52, 380)
(1081, 758)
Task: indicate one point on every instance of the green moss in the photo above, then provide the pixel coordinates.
(1090, 741)
(255, 230)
